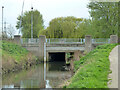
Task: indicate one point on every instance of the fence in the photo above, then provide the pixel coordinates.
(65, 40)
(29, 40)
(100, 40)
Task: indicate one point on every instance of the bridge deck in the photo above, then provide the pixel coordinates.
(63, 47)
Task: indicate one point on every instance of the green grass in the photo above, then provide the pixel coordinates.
(11, 49)
(92, 70)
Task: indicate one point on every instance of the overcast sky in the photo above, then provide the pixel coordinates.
(48, 8)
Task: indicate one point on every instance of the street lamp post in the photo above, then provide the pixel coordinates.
(2, 19)
(31, 22)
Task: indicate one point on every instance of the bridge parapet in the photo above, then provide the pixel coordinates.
(29, 41)
(65, 40)
(100, 40)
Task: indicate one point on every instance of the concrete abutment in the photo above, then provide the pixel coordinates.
(41, 50)
(88, 43)
(113, 39)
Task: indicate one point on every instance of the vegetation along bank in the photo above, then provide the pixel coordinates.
(15, 57)
(92, 70)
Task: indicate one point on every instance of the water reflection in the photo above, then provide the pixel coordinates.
(47, 75)
(56, 73)
(47, 84)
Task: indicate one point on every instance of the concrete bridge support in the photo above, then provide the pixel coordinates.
(88, 43)
(47, 56)
(77, 55)
(42, 40)
(17, 39)
(113, 39)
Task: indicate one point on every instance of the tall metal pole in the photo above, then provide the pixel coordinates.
(5, 29)
(2, 19)
(21, 18)
(31, 22)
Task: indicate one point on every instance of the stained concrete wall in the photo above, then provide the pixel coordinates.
(42, 40)
(33, 49)
(113, 39)
(17, 39)
(77, 55)
(88, 43)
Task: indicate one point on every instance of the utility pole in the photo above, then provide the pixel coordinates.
(31, 22)
(2, 19)
(5, 28)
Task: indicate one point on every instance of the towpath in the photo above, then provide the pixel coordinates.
(114, 63)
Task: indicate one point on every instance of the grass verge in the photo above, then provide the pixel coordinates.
(92, 70)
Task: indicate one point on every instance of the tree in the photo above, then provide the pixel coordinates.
(104, 18)
(62, 27)
(26, 23)
(84, 28)
(10, 31)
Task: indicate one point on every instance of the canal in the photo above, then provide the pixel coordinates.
(44, 75)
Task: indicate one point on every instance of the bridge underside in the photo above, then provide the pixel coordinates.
(56, 56)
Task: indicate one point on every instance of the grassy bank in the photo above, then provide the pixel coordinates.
(14, 57)
(92, 70)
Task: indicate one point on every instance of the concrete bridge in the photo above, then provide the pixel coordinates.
(49, 48)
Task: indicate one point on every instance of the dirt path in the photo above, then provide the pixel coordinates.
(113, 57)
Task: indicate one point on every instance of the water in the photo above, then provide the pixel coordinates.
(45, 75)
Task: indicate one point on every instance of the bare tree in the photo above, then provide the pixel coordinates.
(10, 31)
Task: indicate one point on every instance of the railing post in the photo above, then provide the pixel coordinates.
(113, 39)
(81, 40)
(49, 40)
(88, 43)
(17, 39)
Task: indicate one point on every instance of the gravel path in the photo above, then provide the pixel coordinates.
(113, 57)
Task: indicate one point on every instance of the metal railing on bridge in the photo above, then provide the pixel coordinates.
(65, 40)
(100, 40)
(29, 41)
